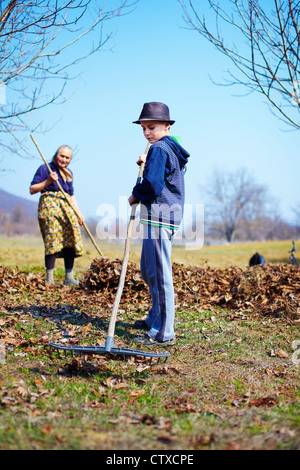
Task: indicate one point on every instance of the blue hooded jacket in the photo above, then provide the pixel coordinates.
(161, 191)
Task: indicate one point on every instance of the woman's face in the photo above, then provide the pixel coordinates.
(63, 157)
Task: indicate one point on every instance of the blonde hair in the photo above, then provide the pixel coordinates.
(64, 173)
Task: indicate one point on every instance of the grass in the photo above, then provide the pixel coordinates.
(230, 383)
(220, 389)
(29, 252)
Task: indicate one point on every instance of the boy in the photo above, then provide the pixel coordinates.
(161, 194)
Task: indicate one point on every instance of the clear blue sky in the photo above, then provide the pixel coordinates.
(155, 58)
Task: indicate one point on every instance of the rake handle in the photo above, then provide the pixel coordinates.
(67, 199)
(113, 317)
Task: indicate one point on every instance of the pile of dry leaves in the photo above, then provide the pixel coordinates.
(12, 280)
(104, 275)
(271, 290)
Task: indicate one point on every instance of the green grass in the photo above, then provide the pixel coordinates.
(224, 385)
(203, 390)
(29, 253)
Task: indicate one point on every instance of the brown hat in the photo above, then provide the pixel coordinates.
(155, 112)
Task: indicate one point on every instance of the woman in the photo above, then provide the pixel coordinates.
(58, 222)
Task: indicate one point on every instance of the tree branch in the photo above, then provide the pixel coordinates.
(270, 63)
(37, 43)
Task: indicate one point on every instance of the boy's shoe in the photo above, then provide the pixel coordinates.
(141, 325)
(147, 341)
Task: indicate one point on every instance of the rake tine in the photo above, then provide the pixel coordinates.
(87, 350)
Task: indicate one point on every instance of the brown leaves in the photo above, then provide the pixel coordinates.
(279, 353)
(19, 394)
(272, 290)
(135, 394)
(12, 280)
(263, 402)
(80, 367)
(104, 275)
(115, 383)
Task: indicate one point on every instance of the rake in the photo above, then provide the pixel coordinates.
(109, 348)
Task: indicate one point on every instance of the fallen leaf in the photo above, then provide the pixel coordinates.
(265, 402)
(47, 428)
(136, 394)
(281, 353)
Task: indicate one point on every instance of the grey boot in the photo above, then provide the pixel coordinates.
(70, 279)
(49, 276)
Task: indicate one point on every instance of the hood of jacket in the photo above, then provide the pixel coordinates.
(179, 151)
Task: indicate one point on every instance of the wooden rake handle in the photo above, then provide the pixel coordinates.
(113, 317)
(66, 196)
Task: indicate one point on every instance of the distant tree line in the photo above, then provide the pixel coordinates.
(18, 222)
(236, 208)
(263, 227)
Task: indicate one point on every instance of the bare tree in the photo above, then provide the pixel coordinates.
(266, 51)
(296, 210)
(235, 200)
(38, 48)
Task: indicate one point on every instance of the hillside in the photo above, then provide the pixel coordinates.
(8, 201)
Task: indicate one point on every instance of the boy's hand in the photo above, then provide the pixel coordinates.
(142, 159)
(132, 200)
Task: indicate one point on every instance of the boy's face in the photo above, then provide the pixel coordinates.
(155, 130)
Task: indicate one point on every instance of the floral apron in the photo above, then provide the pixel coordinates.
(58, 224)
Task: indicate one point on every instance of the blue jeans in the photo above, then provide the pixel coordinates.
(156, 270)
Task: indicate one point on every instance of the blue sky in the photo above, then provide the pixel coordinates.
(155, 58)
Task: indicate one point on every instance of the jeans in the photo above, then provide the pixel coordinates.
(156, 270)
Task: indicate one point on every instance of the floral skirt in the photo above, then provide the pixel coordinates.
(58, 224)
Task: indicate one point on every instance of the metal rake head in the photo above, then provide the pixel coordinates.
(112, 351)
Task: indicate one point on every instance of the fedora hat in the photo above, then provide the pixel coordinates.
(155, 112)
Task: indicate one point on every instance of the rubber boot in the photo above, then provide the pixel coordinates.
(70, 279)
(49, 276)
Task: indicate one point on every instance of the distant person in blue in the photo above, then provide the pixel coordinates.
(161, 195)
